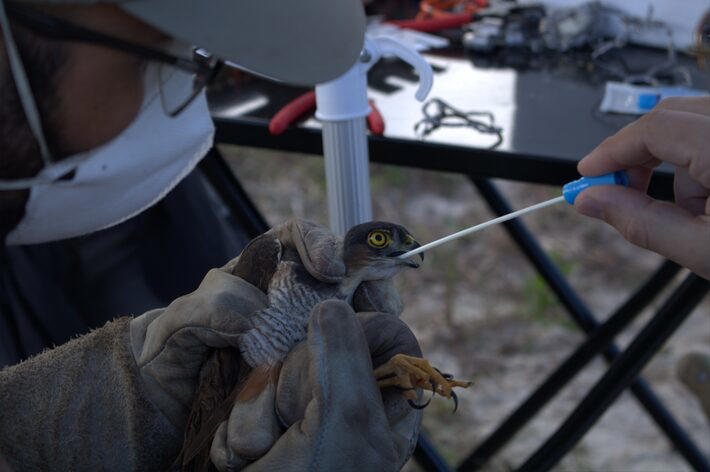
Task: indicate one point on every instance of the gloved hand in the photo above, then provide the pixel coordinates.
(171, 344)
(325, 411)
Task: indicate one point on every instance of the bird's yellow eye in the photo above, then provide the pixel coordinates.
(408, 240)
(378, 239)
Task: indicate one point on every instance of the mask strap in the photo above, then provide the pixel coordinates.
(47, 175)
(23, 86)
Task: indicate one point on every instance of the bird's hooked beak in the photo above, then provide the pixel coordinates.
(401, 249)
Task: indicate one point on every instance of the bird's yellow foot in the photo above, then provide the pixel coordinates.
(407, 373)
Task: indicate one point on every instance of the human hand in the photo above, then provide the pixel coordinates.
(325, 411)
(677, 131)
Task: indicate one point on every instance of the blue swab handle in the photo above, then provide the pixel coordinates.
(574, 188)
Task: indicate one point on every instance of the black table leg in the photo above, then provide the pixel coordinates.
(620, 375)
(596, 343)
(585, 319)
(233, 194)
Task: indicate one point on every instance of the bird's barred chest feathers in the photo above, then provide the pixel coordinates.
(292, 294)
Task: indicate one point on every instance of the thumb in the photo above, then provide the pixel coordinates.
(317, 248)
(377, 295)
(344, 426)
(662, 227)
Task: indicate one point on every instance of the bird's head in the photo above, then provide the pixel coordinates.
(371, 250)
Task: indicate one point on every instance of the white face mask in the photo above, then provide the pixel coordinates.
(123, 177)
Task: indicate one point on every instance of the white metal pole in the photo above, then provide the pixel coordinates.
(347, 173)
(342, 107)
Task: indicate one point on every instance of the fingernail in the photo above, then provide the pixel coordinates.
(589, 207)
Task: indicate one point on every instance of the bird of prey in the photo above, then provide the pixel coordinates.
(369, 252)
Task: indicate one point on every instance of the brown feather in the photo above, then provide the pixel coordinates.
(223, 374)
(258, 261)
(258, 379)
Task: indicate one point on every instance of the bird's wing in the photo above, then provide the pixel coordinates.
(222, 371)
(259, 260)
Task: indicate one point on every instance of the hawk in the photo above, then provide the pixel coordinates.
(370, 252)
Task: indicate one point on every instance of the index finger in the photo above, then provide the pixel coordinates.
(678, 137)
(700, 105)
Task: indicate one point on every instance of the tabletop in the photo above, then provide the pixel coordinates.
(547, 108)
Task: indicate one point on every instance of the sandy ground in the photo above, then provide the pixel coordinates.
(482, 313)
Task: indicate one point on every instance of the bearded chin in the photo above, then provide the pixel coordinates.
(20, 156)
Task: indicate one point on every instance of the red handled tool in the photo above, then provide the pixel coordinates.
(375, 122)
(306, 104)
(437, 15)
(432, 25)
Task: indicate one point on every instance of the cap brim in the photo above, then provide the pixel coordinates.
(303, 42)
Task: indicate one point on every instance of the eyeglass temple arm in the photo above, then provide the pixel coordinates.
(58, 29)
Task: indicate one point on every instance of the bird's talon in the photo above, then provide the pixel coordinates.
(433, 387)
(407, 372)
(421, 406)
(445, 375)
(417, 406)
(456, 401)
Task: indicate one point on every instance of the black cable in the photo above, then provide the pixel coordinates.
(438, 113)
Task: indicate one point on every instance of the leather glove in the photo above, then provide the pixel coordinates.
(171, 344)
(325, 411)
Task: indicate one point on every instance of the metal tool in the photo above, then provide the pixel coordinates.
(569, 194)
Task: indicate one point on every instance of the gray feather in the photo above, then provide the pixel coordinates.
(292, 293)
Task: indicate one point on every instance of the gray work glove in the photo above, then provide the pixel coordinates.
(171, 344)
(325, 411)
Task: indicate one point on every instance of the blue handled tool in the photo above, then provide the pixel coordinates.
(574, 188)
(569, 194)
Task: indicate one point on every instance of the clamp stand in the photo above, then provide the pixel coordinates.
(342, 107)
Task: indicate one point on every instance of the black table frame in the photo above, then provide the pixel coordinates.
(479, 166)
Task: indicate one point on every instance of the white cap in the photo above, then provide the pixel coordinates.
(303, 42)
(297, 41)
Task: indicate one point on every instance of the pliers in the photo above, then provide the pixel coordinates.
(306, 104)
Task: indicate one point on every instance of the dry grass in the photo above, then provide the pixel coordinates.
(481, 312)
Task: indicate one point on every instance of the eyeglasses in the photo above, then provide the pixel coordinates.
(202, 67)
(702, 42)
